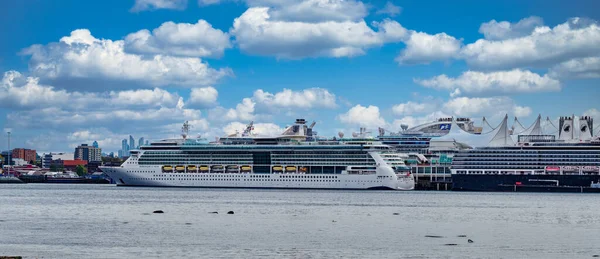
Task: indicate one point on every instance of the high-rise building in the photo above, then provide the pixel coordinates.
(123, 147)
(147, 142)
(88, 153)
(120, 153)
(131, 144)
(95, 144)
(140, 142)
(26, 154)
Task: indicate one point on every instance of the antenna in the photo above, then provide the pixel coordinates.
(185, 129)
(248, 130)
(312, 124)
(8, 131)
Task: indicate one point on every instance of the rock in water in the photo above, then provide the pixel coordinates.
(158, 211)
(230, 212)
(470, 241)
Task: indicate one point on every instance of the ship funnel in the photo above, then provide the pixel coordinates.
(586, 127)
(565, 125)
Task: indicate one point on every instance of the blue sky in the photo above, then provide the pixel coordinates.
(79, 71)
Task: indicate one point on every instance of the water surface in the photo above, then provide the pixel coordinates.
(105, 221)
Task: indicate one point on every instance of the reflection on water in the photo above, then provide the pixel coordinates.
(104, 221)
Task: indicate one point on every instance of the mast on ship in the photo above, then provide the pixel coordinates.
(248, 130)
(185, 130)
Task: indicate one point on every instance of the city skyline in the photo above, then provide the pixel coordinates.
(343, 64)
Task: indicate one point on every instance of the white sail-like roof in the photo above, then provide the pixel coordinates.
(517, 128)
(534, 129)
(502, 136)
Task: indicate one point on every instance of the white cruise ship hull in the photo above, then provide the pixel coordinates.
(385, 178)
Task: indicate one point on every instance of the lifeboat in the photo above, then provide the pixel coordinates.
(167, 168)
(191, 168)
(217, 168)
(290, 169)
(179, 168)
(203, 168)
(277, 168)
(246, 168)
(303, 169)
(233, 168)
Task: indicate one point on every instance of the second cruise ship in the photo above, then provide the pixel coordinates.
(537, 162)
(296, 159)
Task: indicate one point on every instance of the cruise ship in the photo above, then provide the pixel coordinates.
(537, 162)
(296, 159)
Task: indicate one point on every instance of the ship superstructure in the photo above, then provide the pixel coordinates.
(294, 159)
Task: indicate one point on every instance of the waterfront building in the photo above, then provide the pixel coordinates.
(69, 165)
(29, 155)
(95, 144)
(140, 142)
(19, 161)
(88, 153)
(49, 157)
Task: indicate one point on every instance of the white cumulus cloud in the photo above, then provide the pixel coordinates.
(410, 108)
(304, 99)
(256, 32)
(82, 56)
(494, 30)
(18, 92)
(363, 116)
(488, 107)
(203, 97)
(179, 39)
(390, 9)
(313, 10)
(145, 5)
(513, 81)
(143, 97)
(423, 48)
(588, 67)
(544, 47)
